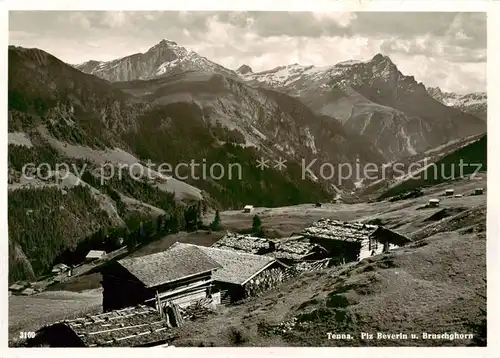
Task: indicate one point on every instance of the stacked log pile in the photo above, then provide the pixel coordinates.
(263, 282)
(197, 310)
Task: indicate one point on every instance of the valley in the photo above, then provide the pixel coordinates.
(111, 167)
(456, 241)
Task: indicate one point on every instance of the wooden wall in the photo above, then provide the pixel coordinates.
(264, 281)
(339, 251)
(121, 289)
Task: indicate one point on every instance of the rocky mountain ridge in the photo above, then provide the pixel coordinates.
(475, 103)
(165, 58)
(370, 98)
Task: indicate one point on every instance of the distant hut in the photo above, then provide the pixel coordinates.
(17, 287)
(248, 209)
(318, 205)
(479, 191)
(458, 195)
(94, 255)
(28, 291)
(433, 203)
(449, 192)
(60, 268)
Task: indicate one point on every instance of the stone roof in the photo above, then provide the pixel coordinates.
(294, 248)
(245, 243)
(236, 267)
(339, 230)
(129, 327)
(352, 232)
(169, 266)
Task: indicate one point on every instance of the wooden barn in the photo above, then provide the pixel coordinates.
(139, 326)
(179, 276)
(240, 274)
(348, 241)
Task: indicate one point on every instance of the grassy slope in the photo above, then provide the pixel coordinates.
(443, 169)
(432, 286)
(445, 262)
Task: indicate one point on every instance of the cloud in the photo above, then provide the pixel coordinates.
(342, 19)
(449, 48)
(435, 47)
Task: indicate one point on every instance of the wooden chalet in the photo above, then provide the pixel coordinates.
(139, 326)
(179, 276)
(349, 241)
(241, 274)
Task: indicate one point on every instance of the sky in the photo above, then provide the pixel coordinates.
(440, 49)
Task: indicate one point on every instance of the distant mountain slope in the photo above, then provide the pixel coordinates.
(60, 115)
(474, 103)
(375, 99)
(166, 57)
(275, 123)
(459, 164)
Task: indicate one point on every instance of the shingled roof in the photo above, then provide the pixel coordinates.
(339, 230)
(245, 243)
(129, 327)
(352, 232)
(169, 266)
(294, 248)
(236, 267)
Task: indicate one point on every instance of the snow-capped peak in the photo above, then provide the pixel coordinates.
(163, 58)
(474, 103)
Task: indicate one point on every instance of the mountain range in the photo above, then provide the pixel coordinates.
(371, 98)
(171, 105)
(474, 103)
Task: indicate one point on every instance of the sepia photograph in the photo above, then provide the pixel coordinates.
(246, 179)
